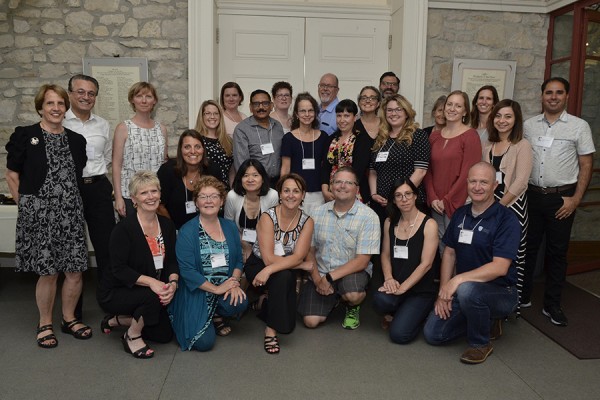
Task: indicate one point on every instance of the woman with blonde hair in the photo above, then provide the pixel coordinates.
(218, 144)
(400, 149)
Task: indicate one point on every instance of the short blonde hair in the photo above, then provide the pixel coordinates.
(142, 178)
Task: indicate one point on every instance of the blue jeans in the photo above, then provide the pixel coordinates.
(409, 310)
(474, 306)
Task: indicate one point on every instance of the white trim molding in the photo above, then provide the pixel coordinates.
(525, 6)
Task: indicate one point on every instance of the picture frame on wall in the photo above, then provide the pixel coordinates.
(469, 75)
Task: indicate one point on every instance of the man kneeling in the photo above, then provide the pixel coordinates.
(481, 243)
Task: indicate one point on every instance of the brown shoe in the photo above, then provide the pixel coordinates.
(476, 355)
(496, 330)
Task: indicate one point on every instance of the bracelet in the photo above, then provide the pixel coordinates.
(329, 278)
(176, 282)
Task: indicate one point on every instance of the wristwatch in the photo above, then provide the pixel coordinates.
(329, 278)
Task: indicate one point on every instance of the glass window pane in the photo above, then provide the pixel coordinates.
(561, 69)
(593, 39)
(563, 36)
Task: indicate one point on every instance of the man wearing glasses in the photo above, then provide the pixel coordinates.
(328, 91)
(346, 234)
(96, 192)
(389, 84)
(259, 136)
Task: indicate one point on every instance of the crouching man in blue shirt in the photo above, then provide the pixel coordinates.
(478, 275)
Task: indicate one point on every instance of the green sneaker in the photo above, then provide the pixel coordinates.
(352, 318)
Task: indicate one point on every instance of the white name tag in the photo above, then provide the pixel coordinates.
(544, 141)
(401, 252)
(499, 177)
(465, 236)
(267, 148)
(90, 152)
(382, 156)
(218, 260)
(249, 235)
(279, 251)
(308, 163)
(190, 207)
(158, 262)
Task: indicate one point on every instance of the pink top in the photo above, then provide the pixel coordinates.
(449, 165)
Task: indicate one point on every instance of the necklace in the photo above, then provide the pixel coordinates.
(408, 225)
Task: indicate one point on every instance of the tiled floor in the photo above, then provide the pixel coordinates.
(326, 363)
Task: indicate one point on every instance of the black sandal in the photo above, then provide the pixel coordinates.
(66, 327)
(42, 341)
(222, 326)
(105, 324)
(141, 353)
(272, 344)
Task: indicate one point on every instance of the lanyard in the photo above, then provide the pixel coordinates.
(313, 145)
(269, 133)
(412, 227)
(208, 241)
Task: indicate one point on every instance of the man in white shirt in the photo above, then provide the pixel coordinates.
(562, 168)
(96, 191)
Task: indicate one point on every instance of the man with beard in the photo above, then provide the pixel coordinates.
(328, 90)
(389, 84)
(259, 136)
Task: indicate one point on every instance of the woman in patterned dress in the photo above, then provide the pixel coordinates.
(348, 147)
(284, 235)
(210, 260)
(140, 143)
(44, 168)
(401, 149)
(217, 143)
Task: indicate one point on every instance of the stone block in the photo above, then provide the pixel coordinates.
(42, 3)
(79, 22)
(168, 70)
(153, 11)
(151, 29)
(105, 49)
(21, 26)
(7, 41)
(519, 38)
(52, 73)
(26, 41)
(22, 56)
(159, 44)
(492, 34)
(3, 16)
(174, 28)
(7, 110)
(100, 30)
(130, 29)
(53, 13)
(9, 73)
(53, 28)
(101, 6)
(158, 55)
(10, 93)
(4, 28)
(112, 19)
(134, 43)
(67, 52)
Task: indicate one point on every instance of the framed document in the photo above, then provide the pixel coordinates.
(115, 76)
(469, 75)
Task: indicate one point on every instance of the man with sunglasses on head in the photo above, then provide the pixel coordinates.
(346, 234)
(328, 91)
(389, 84)
(96, 191)
(259, 136)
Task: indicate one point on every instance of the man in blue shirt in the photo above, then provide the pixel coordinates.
(328, 90)
(478, 275)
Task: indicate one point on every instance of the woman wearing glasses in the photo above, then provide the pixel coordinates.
(303, 149)
(210, 264)
(369, 100)
(409, 246)
(218, 144)
(282, 100)
(401, 149)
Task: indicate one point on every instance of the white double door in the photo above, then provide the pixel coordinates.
(257, 51)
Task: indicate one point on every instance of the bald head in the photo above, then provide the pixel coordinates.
(481, 184)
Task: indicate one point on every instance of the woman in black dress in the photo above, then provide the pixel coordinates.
(44, 166)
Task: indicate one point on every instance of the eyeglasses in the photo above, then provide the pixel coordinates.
(257, 104)
(283, 96)
(342, 182)
(368, 98)
(211, 114)
(394, 110)
(82, 93)
(212, 197)
(404, 196)
(325, 86)
(306, 112)
(389, 84)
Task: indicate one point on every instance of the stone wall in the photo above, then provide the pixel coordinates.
(44, 41)
(486, 35)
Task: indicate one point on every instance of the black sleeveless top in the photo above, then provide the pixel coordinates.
(403, 268)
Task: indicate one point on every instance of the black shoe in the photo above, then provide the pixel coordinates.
(556, 315)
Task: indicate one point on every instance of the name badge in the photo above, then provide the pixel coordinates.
(499, 177)
(267, 148)
(190, 207)
(465, 236)
(249, 235)
(279, 251)
(382, 156)
(308, 163)
(218, 260)
(401, 252)
(158, 262)
(544, 141)
(90, 152)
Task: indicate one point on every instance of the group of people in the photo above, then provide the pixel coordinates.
(250, 206)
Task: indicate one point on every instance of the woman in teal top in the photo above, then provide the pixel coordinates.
(209, 252)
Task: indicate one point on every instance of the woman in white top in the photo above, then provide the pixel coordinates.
(139, 143)
(231, 98)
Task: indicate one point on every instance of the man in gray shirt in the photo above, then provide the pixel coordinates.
(259, 136)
